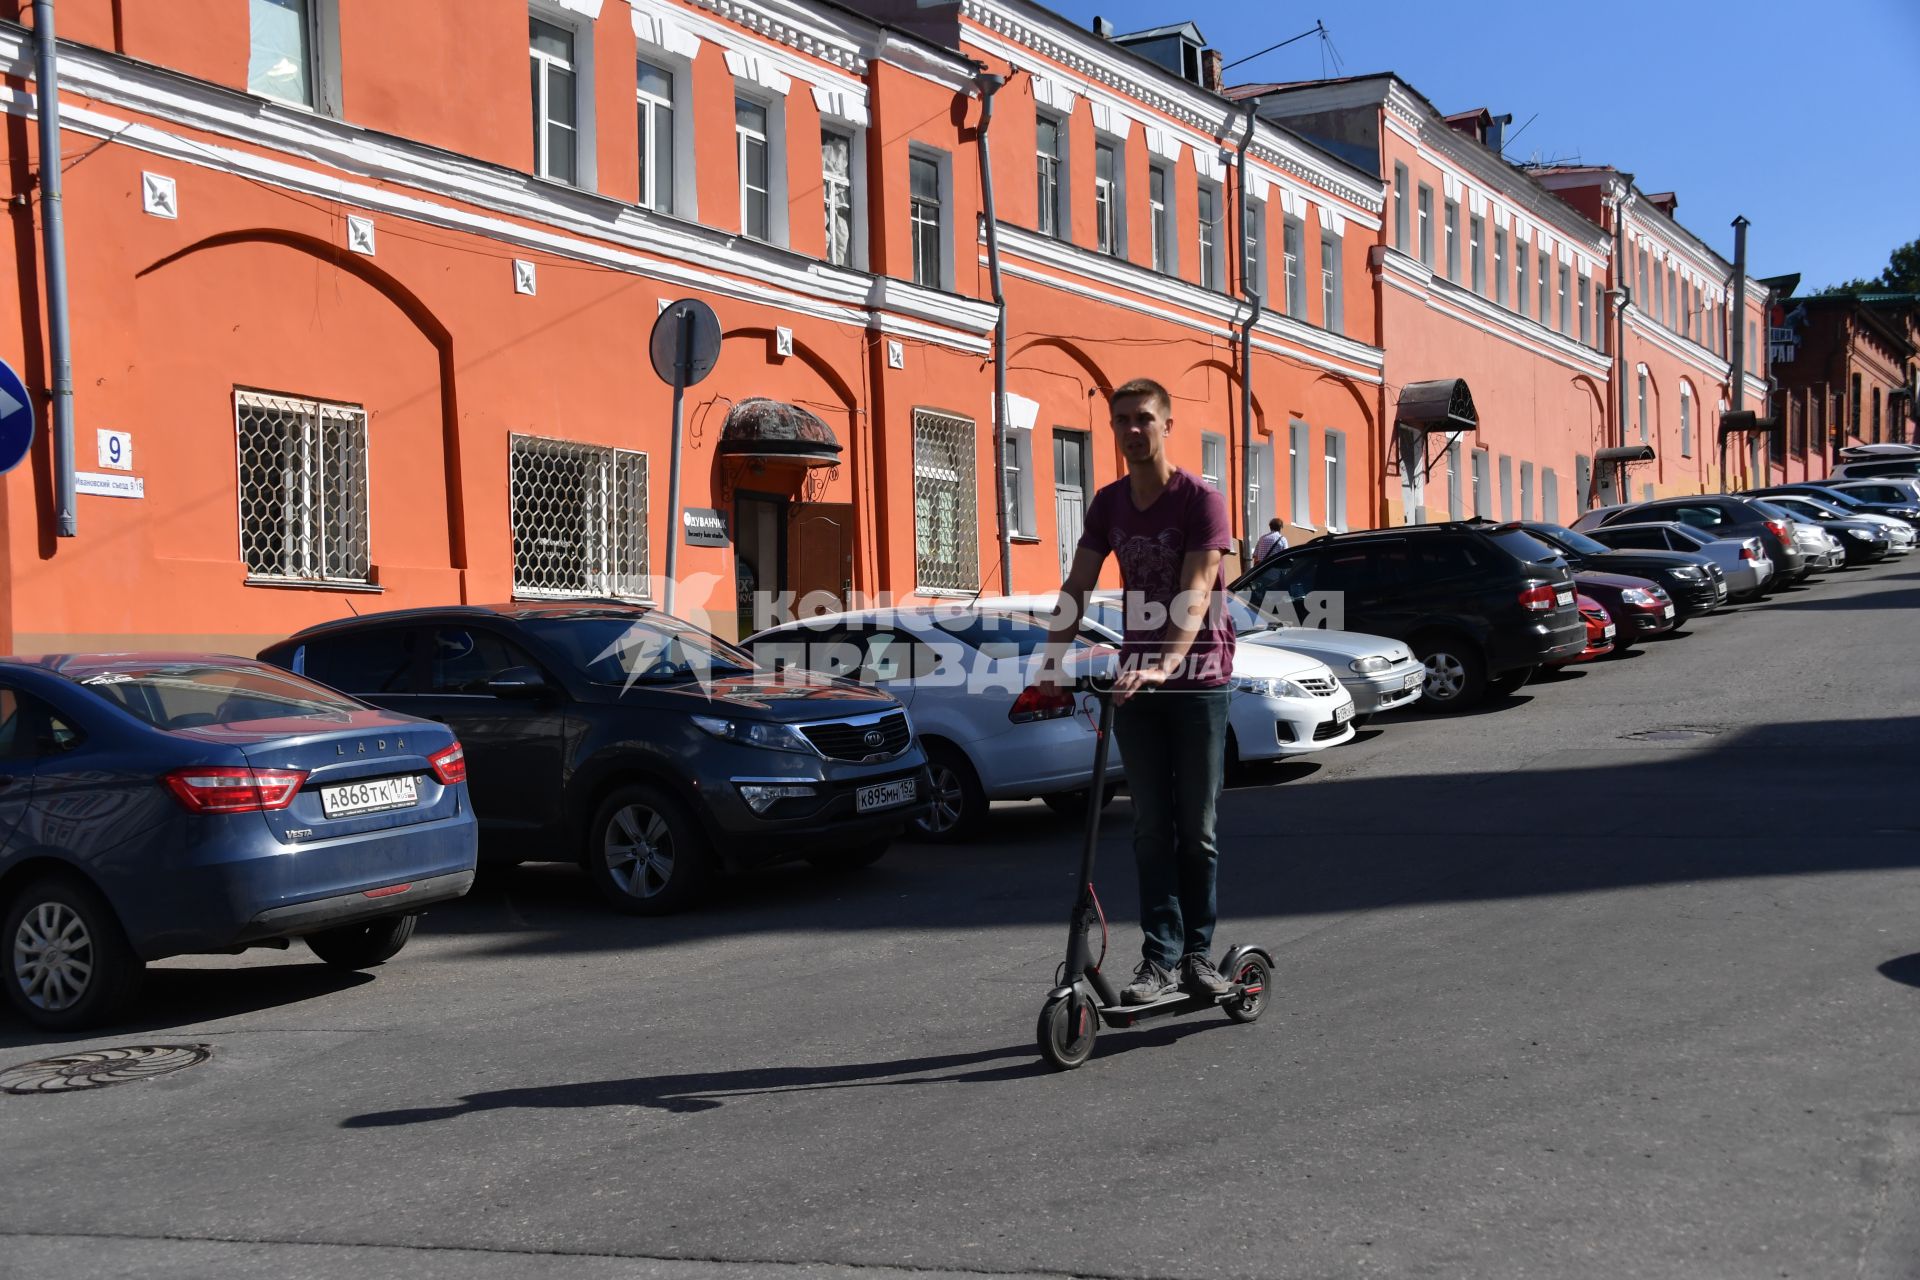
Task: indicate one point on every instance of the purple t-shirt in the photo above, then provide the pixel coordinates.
(1150, 544)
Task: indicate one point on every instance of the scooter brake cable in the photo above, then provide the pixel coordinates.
(1101, 912)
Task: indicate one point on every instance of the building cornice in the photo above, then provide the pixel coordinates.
(1711, 367)
(568, 222)
(1489, 316)
(1207, 114)
(1097, 275)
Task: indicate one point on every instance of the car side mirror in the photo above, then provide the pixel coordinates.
(519, 682)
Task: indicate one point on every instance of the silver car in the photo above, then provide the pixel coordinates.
(1806, 506)
(1381, 674)
(1743, 560)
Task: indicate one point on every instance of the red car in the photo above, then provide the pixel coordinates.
(1600, 631)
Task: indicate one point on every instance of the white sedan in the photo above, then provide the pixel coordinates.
(1284, 703)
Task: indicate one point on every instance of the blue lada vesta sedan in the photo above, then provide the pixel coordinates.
(154, 805)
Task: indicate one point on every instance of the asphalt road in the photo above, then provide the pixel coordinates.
(1616, 979)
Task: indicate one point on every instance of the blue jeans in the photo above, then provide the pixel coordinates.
(1173, 744)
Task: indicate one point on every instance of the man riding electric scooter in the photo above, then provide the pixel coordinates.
(1167, 529)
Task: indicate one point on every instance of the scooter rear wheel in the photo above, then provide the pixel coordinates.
(1068, 1025)
(1252, 972)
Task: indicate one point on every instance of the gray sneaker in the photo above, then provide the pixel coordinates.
(1150, 982)
(1198, 977)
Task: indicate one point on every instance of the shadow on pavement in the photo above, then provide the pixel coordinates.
(709, 1090)
(179, 997)
(1904, 969)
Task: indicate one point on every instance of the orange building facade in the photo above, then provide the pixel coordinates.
(341, 345)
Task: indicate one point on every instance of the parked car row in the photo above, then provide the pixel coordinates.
(355, 773)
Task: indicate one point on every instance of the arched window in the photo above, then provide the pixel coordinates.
(1686, 420)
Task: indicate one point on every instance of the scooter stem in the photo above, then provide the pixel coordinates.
(1078, 957)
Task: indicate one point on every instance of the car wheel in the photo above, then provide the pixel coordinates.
(1456, 675)
(646, 853)
(852, 858)
(363, 946)
(959, 805)
(1508, 682)
(63, 958)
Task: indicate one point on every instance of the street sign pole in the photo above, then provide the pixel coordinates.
(681, 367)
(684, 347)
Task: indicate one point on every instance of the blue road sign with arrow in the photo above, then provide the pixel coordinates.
(16, 419)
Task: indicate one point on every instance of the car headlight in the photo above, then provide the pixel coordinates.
(1689, 572)
(1861, 534)
(1635, 595)
(756, 733)
(1369, 666)
(761, 796)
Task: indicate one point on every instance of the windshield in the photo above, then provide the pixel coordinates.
(1817, 510)
(187, 695)
(1524, 546)
(1577, 542)
(995, 635)
(613, 649)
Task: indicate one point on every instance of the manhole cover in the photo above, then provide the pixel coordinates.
(1680, 733)
(102, 1067)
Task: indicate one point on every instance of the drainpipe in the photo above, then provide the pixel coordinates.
(54, 237)
(1252, 295)
(988, 84)
(1738, 396)
(1623, 294)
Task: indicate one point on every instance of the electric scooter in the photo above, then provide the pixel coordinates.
(1083, 997)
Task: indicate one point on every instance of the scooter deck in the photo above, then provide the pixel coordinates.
(1125, 1015)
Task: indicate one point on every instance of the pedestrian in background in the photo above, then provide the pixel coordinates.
(1271, 541)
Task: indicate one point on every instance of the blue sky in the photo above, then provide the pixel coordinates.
(1800, 116)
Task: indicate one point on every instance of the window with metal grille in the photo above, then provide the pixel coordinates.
(945, 507)
(555, 104)
(579, 515)
(924, 198)
(303, 488)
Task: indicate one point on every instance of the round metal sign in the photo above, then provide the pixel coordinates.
(686, 342)
(16, 419)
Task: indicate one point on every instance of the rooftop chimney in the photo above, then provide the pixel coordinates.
(1102, 27)
(1211, 73)
(1665, 201)
(1497, 132)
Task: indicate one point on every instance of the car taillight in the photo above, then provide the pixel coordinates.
(1780, 530)
(449, 765)
(230, 789)
(1539, 598)
(1746, 551)
(1037, 704)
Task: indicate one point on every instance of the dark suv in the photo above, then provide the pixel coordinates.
(1481, 605)
(648, 750)
(1696, 583)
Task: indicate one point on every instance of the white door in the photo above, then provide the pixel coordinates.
(1070, 480)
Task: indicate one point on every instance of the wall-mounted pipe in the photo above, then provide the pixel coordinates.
(990, 84)
(54, 239)
(1252, 295)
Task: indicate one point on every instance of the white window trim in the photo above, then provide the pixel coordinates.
(1218, 445)
(943, 160)
(323, 61)
(1207, 250)
(1118, 203)
(775, 105)
(1335, 463)
(1300, 493)
(1063, 183)
(644, 98)
(571, 16)
(1336, 322)
(1166, 236)
(1293, 286)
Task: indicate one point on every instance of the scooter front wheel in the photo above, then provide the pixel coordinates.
(1255, 977)
(1068, 1025)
